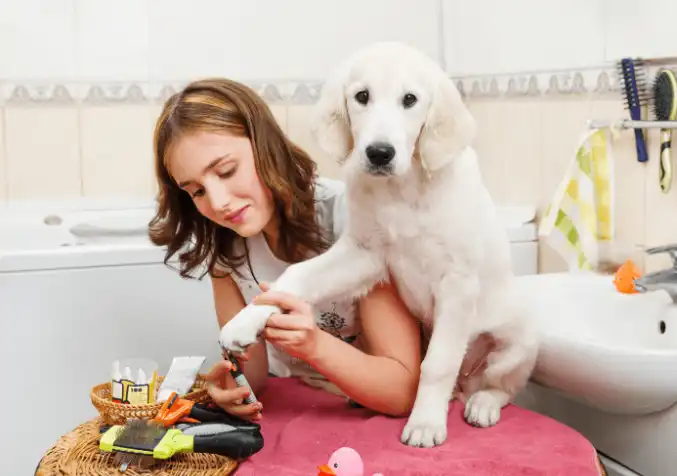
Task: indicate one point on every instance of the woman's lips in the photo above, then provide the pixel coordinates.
(238, 216)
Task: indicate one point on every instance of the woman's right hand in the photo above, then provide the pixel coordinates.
(227, 395)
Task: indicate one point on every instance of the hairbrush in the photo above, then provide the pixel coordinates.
(665, 109)
(142, 442)
(633, 82)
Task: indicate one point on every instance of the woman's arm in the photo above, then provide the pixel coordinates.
(385, 377)
(228, 302)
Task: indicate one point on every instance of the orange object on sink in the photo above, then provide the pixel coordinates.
(625, 276)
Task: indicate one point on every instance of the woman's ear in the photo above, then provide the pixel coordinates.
(449, 127)
(331, 125)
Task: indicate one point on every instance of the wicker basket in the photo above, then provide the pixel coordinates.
(77, 454)
(118, 413)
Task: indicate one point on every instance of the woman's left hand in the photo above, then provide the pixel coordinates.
(295, 331)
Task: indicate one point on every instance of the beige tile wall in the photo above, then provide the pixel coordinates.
(42, 146)
(59, 152)
(525, 146)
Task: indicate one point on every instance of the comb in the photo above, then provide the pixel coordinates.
(633, 88)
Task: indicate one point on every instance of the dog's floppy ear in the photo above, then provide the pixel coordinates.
(449, 127)
(331, 125)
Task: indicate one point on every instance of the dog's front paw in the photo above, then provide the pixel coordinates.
(244, 329)
(426, 428)
(483, 409)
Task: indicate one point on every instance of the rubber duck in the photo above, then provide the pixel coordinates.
(344, 462)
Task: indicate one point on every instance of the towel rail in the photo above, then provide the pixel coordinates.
(630, 124)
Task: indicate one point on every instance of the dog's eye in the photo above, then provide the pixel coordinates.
(409, 100)
(362, 97)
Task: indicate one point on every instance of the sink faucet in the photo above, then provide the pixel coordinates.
(665, 279)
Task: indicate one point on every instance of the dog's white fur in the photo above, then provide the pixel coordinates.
(428, 220)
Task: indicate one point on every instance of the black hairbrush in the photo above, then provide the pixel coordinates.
(633, 82)
(665, 109)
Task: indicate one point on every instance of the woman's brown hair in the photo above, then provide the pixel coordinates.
(219, 105)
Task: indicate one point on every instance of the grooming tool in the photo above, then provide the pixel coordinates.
(238, 376)
(665, 109)
(141, 442)
(633, 81)
(180, 410)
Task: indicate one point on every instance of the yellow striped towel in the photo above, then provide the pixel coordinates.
(581, 213)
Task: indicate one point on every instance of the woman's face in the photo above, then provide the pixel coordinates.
(217, 170)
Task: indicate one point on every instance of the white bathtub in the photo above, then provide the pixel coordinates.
(73, 303)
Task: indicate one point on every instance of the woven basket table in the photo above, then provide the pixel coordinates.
(77, 454)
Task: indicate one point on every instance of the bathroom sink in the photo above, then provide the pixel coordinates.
(611, 351)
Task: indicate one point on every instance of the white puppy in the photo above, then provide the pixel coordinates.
(418, 210)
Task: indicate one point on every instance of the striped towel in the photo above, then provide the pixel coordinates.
(581, 213)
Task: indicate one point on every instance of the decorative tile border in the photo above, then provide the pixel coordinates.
(598, 81)
(139, 92)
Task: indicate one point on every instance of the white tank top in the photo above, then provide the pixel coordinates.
(337, 318)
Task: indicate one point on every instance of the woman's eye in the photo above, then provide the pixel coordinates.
(227, 173)
(198, 193)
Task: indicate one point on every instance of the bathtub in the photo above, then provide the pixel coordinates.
(81, 286)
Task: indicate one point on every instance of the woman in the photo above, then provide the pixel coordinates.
(240, 202)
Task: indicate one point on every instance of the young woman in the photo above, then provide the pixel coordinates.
(240, 202)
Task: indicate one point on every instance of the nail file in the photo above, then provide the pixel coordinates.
(238, 376)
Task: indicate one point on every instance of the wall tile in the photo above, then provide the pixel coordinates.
(43, 153)
(37, 39)
(298, 127)
(280, 113)
(489, 143)
(3, 162)
(107, 31)
(563, 125)
(228, 40)
(521, 154)
(503, 41)
(655, 18)
(117, 158)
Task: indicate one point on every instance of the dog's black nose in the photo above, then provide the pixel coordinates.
(380, 153)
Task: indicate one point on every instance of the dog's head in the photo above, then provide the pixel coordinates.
(386, 107)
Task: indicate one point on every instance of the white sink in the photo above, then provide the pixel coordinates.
(608, 350)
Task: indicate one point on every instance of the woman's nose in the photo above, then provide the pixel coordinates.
(219, 197)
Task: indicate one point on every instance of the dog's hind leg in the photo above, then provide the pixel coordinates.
(508, 370)
(427, 424)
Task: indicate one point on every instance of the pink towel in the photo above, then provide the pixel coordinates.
(302, 426)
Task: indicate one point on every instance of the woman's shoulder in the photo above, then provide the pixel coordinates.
(328, 188)
(330, 204)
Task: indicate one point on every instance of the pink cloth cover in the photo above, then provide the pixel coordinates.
(303, 426)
